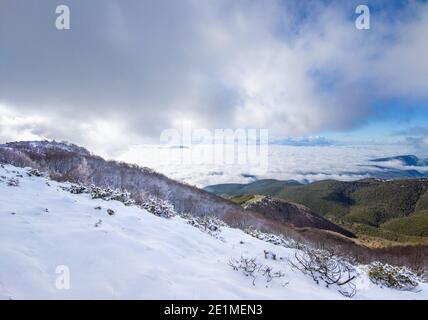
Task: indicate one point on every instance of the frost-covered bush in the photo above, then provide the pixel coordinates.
(278, 240)
(251, 268)
(106, 194)
(158, 207)
(150, 203)
(77, 189)
(324, 267)
(209, 224)
(399, 278)
(111, 194)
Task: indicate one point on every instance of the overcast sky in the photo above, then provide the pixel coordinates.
(126, 70)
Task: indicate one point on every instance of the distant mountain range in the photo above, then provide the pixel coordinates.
(406, 160)
(399, 167)
(393, 210)
(303, 141)
(389, 168)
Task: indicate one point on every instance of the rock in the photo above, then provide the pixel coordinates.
(269, 255)
(13, 182)
(35, 173)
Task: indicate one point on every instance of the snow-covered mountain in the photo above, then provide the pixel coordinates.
(58, 242)
(67, 162)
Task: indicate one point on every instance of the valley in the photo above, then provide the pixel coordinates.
(380, 212)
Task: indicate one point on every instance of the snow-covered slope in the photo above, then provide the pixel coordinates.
(136, 255)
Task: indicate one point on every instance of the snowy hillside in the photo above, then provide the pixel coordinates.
(114, 251)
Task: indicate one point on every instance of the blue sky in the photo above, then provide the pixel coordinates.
(393, 122)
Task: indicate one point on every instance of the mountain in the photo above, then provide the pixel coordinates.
(263, 186)
(389, 209)
(405, 160)
(44, 148)
(400, 167)
(288, 212)
(303, 141)
(68, 162)
(62, 241)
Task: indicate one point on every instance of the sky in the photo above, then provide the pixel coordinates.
(127, 70)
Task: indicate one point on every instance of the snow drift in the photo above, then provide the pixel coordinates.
(133, 254)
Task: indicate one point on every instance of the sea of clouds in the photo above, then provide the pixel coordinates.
(301, 163)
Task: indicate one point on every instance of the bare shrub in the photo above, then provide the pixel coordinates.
(326, 268)
(251, 268)
(269, 274)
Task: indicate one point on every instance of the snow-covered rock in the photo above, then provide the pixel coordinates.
(49, 235)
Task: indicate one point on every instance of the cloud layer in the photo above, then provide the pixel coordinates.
(129, 69)
(305, 164)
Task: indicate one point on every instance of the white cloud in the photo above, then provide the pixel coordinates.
(309, 163)
(126, 71)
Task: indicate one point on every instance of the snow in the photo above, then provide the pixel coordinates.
(134, 254)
